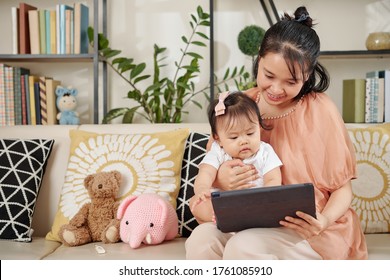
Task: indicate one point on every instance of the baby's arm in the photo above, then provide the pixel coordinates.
(273, 177)
(200, 203)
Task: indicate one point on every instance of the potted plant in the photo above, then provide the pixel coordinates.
(164, 99)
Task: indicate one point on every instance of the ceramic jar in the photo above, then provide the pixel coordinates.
(378, 41)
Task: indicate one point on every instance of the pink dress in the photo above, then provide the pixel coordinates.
(314, 146)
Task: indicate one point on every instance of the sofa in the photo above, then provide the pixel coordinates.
(45, 210)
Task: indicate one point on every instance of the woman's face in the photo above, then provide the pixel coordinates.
(277, 86)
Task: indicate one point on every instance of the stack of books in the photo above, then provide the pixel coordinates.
(25, 98)
(61, 30)
(367, 100)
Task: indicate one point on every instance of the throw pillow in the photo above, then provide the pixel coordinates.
(193, 155)
(22, 165)
(371, 191)
(148, 163)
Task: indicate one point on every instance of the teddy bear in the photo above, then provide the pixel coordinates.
(66, 104)
(96, 220)
(146, 218)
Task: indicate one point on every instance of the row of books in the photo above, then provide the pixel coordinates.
(26, 99)
(367, 100)
(61, 30)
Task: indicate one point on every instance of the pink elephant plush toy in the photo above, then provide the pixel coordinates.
(148, 219)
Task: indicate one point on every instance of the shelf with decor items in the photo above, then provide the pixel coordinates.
(53, 60)
(349, 88)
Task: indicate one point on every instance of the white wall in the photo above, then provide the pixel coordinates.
(134, 26)
(342, 25)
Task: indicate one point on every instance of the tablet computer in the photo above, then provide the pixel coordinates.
(261, 207)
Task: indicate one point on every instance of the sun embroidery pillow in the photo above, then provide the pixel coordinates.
(148, 163)
(371, 190)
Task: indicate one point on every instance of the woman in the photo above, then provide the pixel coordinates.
(309, 136)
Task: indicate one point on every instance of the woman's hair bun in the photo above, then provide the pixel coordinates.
(302, 16)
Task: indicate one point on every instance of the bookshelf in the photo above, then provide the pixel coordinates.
(99, 92)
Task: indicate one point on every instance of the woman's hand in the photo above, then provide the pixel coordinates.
(338, 203)
(235, 175)
(306, 226)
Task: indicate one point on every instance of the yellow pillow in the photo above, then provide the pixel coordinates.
(147, 163)
(371, 191)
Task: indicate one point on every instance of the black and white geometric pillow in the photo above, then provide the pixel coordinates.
(22, 165)
(194, 152)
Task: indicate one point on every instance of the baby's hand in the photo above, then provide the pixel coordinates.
(201, 197)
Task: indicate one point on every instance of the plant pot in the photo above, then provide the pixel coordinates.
(378, 41)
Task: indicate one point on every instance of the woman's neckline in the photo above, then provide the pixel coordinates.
(258, 97)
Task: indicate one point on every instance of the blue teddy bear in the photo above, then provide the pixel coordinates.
(66, 104)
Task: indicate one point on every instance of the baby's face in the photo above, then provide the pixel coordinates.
(240, 139)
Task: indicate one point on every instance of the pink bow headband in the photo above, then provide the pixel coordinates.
(220, 107)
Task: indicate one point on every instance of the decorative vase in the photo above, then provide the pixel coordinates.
(378, 41)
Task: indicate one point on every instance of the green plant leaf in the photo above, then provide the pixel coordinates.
(234, 72)
(226, 74)
(103, 42)
(199, 10)
(153, 87)
(129, 115)
(114, 113)
(198, 43)
(108, 53)
(137, 70)
(141, 78)
(197, 104)
(120, 60)
(204, 23)
(195, 55)
(134, 94)
(185, 40)
(201, 34)
(194, 19)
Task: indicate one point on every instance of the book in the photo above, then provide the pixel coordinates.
(24, 99)
(385, 74)
(354, 95)
(3, 118)
(27, 92)
(32, 79)
(24, 30)
(53, 32)
(9, 95)
(37, 103)
(15, 29)
(48, 32)
(62, 26)
(42, 99)
(42, 31)
(35, 43)
(81, 21)
(375, 97)
(68, 31)
(17, 96)
(58, 27)
(51, 98)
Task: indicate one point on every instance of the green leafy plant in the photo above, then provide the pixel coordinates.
(164, 99)
(249, 40)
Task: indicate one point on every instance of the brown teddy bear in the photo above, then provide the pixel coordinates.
(96, 220)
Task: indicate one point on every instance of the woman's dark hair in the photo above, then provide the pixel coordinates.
(237, 104)
(295, 39)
